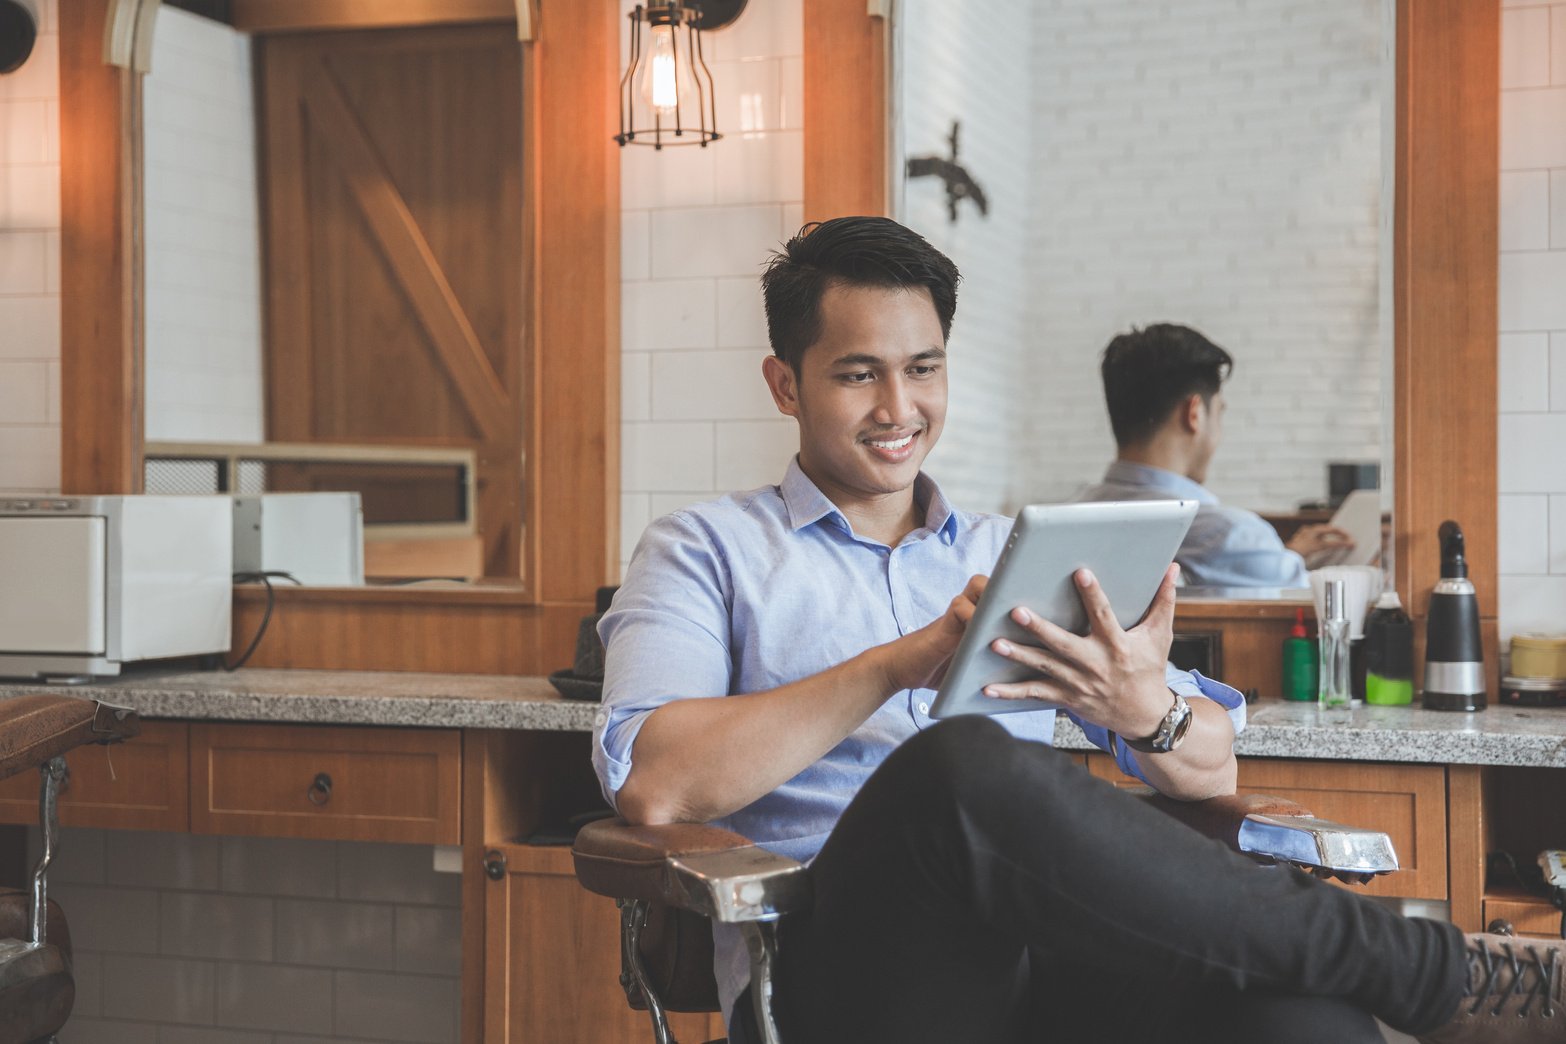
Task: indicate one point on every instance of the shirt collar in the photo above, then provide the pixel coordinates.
(1145, 476)
(807, 505)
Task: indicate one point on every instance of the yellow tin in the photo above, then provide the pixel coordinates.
(1538, 656)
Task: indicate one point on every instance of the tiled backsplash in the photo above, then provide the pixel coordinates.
(203, 234)
(228, 940)
(696, 226)
(1532, 467)
(30, 266)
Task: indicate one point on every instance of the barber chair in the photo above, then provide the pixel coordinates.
(670, 882)
(36, 985)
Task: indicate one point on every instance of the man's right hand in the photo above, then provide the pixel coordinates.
(1311, 540)
(918, 660)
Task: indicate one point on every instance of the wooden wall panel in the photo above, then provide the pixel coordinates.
(274, 16)
(573, 409)
(100, 266)
(466, 632)
(1444, 290)
(846, 134)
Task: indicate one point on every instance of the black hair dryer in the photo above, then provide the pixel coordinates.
(1454, 657)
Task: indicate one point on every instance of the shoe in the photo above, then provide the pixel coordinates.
(1516, 994)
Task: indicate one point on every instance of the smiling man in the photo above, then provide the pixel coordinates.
(771, 657)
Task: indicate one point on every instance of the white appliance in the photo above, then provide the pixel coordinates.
(90, 583)
(317, 538)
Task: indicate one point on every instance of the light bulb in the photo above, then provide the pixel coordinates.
(667, 81)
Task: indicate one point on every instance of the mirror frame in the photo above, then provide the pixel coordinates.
(571, 203)
(1445, 323)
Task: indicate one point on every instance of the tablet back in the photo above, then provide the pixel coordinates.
(1127, 545)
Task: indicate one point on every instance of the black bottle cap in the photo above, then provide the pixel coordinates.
(1453, 563)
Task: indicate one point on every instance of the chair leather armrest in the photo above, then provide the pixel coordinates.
(690, 866)
(34, 729)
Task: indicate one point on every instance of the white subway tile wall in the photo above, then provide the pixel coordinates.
(985, 456)
(696, 227)
(30, 266)
(203, 235)
(1532, 507)
(182, 939)
(1250, 212)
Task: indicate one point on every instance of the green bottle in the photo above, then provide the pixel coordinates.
(1301, 662)
(1389, 654)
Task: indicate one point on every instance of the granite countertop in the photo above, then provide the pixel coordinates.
(460, 701)
(1497, 736)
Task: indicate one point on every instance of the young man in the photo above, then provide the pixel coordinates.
(1162, 386)
(771, 658)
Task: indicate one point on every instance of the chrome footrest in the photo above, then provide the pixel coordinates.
(1320, 846)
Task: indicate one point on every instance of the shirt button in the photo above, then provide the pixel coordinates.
(924, 708)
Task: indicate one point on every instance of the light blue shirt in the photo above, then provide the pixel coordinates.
(1225, 546)
(763, 588)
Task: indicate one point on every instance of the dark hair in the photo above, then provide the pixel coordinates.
(856, 251)
(1148, 372)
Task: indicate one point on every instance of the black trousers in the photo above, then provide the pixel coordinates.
(983, 888)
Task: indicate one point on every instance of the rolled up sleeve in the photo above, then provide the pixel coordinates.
(1189, 684)
(666, 637)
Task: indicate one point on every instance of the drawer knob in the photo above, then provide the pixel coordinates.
(495, 865)
(320, 791)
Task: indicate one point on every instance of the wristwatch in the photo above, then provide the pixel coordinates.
(1170, 731)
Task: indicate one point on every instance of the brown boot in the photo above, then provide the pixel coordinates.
(1516, 993)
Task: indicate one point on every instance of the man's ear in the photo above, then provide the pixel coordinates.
(1193, 414)
(783, 383)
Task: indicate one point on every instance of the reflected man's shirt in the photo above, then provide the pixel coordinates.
(1225, 546)
(763, 588)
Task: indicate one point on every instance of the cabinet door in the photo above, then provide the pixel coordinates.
(141, 784)
(553, 963)
(1408, 802)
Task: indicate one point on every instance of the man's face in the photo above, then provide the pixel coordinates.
(870, 396)
(1209, 434)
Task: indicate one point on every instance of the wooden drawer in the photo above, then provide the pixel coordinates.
(1529, 914)
(385, 784)
(141, 784)
(1408, 802)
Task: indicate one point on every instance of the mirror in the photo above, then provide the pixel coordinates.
(286, 176)
(1094, 165)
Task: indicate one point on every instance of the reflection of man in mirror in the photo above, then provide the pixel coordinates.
(1163, 388)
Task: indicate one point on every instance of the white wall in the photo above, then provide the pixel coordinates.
(1215, 163)
(30, 267)
(1532, 436)
(203, 235)
(697, 225)
(981, 454)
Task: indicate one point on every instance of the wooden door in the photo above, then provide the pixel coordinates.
(392, 185)
(552, 964)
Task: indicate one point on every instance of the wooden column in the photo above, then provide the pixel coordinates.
(572, 477)
(846, 144)
(1444, 290)
(100, 260)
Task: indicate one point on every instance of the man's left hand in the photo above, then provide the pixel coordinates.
(1111, 676)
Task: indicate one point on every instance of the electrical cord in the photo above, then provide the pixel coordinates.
(266, 578)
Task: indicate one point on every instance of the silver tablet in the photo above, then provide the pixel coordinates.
(1127, 545)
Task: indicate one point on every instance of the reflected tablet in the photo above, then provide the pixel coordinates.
(1127, 545)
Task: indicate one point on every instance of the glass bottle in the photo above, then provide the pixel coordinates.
(1334, 637)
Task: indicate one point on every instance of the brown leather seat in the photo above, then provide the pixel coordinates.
(37, 989)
